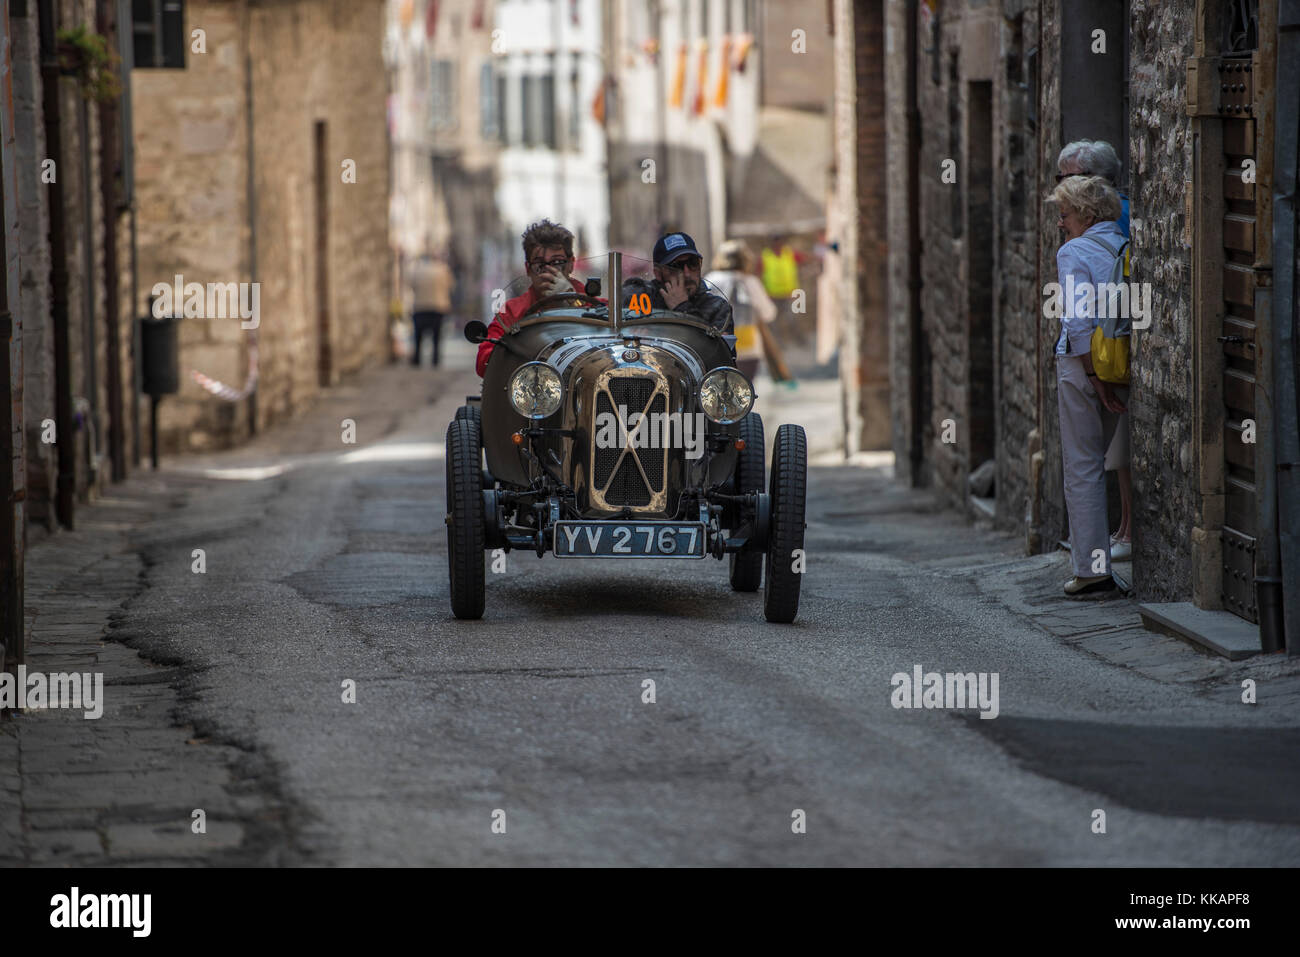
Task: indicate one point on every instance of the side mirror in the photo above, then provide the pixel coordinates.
(475, 331)
(592, 287)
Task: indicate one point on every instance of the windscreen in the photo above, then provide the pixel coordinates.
(583, 282)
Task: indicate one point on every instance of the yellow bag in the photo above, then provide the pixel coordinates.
(1110, 353)
(746, 339)
(1110, 357)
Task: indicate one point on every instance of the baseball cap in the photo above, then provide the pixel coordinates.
(672, 247)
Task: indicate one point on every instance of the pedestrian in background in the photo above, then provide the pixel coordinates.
(781, 279)
(431, 283)
(1088, 207)
(733, 276)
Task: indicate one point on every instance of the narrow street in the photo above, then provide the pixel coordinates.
(326, 563)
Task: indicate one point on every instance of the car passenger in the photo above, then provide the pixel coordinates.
(677, 284)
(548, 257)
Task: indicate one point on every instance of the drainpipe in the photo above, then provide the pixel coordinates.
(66, 483)
(916, 450)
(250, 199)
(1286, 415)
(1268, 557)
(11, 532)
(125, 130)
(91, 363)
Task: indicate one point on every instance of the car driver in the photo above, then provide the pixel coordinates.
(678, 286)
(548, 257)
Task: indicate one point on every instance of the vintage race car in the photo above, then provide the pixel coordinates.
(614, 430)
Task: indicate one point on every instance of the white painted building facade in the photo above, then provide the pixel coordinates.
(549, 66)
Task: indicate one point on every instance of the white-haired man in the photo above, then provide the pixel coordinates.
(1093, 158)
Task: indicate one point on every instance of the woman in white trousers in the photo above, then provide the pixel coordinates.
(1088, 206)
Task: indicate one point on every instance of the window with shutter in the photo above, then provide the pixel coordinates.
(158, 34)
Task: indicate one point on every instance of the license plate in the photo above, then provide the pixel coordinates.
(629, 540)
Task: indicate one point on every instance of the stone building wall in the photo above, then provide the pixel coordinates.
(310, 62)
(320, 63)
(797, 82)
(84, 232)
(1165, 489)
(899, 201)
(190, 161)
(979, 239)
(1048, 500)
(33, 299)
(1024, 259)
(80, 181)
(1018, 302)
(943, 368)
(843, 205)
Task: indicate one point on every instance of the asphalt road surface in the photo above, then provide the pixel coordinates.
(326, 564)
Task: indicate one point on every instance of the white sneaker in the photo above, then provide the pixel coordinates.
(1085, 586)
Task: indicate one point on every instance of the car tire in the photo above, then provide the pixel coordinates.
(788, 490)
(747, 564)
(465, 546)
(472, 412)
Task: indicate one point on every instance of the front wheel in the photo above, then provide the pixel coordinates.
(472, 412)
(785, 555)
(465, 559)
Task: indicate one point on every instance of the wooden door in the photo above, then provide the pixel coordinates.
(1237, 63)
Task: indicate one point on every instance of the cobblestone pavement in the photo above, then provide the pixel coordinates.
(120, 789)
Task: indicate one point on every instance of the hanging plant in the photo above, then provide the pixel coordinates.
(85, 54)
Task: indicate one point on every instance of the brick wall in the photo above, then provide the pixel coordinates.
(871, 252)
(861, 189)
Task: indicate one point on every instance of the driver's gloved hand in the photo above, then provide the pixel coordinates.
(558, 284)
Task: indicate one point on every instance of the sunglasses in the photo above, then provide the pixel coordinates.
(553, 263)
(1061, 176)
(686, 262)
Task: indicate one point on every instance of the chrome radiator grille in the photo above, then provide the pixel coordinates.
(625, 476)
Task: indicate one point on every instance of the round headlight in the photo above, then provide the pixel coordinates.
(535, 390)
(726, 396)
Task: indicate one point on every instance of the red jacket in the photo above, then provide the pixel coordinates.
(507, 317)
